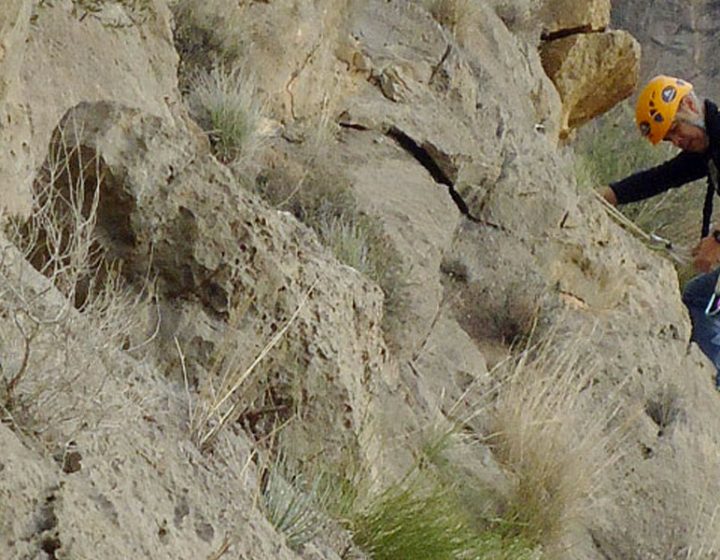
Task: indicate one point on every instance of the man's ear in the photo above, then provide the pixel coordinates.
(689, 104)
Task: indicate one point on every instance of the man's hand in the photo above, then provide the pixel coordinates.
(609, 195)
(707, 254)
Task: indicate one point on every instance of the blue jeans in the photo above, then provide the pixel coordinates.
(705, 330)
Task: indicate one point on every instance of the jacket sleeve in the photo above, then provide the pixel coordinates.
(683, 168)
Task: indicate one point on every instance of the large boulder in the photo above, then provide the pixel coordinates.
(592, 72)
(57, 55)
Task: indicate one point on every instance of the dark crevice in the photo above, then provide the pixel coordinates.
(46, 525)
(352, 125)
(426, 160)
(571, 31)
(49, 545)
(599, 546)
(439, 65)
(422, 156)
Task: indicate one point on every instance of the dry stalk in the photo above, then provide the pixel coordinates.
(219, 412)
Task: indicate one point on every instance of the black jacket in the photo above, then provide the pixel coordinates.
(683, 168)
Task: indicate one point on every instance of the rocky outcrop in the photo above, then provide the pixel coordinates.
(108, 58)
(593, 69)
(563, 17)
(592, 72)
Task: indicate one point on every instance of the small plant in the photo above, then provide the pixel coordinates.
(411, 521)
(225, 104)
(420, 518)
(665, 408)
(292, 505)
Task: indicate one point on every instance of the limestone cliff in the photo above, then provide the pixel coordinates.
(442, 133)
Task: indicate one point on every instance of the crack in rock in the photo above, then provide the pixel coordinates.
(423, 156)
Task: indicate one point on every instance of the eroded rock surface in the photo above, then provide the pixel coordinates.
(449, 142)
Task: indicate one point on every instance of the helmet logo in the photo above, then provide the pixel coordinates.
(644, 128)
(669, 93)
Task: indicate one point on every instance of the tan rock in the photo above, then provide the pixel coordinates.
(574, 15)
(57, 58)
(592, 73)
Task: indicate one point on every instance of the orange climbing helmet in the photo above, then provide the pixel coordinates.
(658, 104)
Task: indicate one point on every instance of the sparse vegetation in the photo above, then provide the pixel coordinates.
(204, 37)
(292, 505)
(420, 517)
(218, 407)
(412, 520)
(225, 104)
(665, 407)
(324, 201)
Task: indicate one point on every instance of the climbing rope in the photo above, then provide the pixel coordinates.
(651, 240)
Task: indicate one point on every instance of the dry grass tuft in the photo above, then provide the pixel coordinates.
(226, 105)
(74, 288)
(549, 439)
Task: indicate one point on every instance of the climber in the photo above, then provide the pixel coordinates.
(668, 109)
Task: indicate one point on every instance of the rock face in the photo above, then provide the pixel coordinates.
(448, 143)
(678, 38)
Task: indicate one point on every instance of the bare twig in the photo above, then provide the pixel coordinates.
(212, 419)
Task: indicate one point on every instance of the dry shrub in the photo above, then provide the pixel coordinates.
(501, 314)
(549, 439)
(74, 287)
(219, 406)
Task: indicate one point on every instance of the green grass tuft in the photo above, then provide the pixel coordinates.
(422, 519)
(226, 105)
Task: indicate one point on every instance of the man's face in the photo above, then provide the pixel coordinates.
(687, 137)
